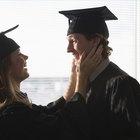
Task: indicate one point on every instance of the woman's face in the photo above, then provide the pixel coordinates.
(18, 66)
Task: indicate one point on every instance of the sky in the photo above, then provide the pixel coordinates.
(42, 33)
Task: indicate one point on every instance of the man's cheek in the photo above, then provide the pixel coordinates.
(88, 49)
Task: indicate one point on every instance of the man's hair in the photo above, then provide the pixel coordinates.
(106, 49)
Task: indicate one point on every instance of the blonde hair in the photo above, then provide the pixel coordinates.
(8, 86)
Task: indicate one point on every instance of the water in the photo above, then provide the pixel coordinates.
(41, 91)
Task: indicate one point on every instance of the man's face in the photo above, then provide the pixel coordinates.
(77, 44)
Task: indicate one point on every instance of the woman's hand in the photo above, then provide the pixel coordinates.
(81, 71)
(85, 66)
(71, 83)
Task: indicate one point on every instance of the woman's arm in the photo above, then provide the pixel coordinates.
(81, 71)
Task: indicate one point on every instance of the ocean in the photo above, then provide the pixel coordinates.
(41, 91)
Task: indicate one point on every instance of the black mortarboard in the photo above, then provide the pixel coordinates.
(91, 20)
(7, 45)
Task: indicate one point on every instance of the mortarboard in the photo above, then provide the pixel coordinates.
(7, 45)
(91, 20)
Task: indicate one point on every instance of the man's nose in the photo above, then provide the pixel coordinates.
(70, 48)
(26, 57)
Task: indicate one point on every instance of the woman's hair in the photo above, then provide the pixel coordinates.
(8, 86)
(106, 49)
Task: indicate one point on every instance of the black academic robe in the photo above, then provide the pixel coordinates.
(56, 121)
(114, 106)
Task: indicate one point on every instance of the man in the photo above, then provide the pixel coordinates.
(113, 99)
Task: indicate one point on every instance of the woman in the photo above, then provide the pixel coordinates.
(21, 119)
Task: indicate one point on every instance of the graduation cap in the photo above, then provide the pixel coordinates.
(7, 45)
(89, 21)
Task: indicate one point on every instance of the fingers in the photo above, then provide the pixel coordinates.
(90, 61)
(96, 59)
(82, 57)
(92, 52)
(96, 51)
(95, 54)
(73, 65)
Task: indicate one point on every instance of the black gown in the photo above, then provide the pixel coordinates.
(56, 121)
(114, 106)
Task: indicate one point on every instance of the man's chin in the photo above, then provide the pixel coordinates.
(76, 57)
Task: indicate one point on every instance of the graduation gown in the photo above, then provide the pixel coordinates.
(56, 121)
(114, 105)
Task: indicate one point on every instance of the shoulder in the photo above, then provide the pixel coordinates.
(123, 81)
(123, 91)
(14, 109)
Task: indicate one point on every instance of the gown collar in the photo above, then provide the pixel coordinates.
(99, 69)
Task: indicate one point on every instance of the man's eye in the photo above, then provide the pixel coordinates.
(75, 41)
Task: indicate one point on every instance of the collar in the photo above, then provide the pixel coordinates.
(99, 69)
